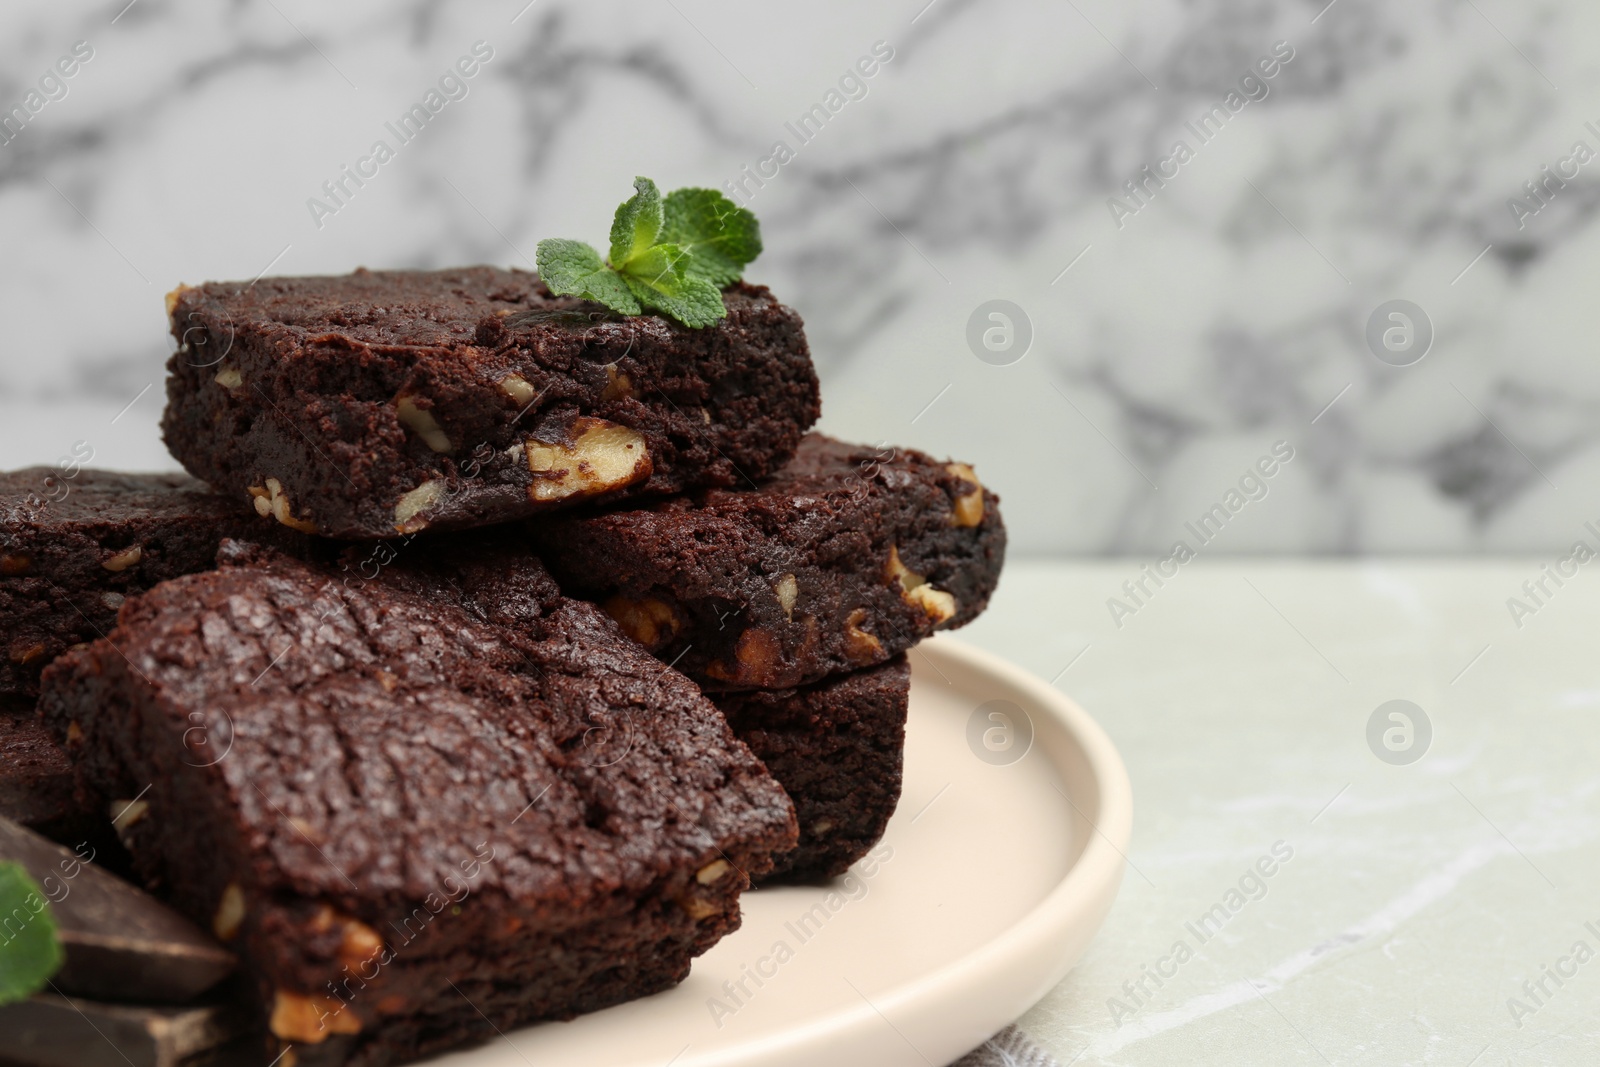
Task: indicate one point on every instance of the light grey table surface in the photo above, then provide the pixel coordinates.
(1419, 897)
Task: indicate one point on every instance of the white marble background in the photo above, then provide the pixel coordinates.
(1227, 314)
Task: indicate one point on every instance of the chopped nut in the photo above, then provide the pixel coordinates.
(172, 299)
(408, 510)
(271, 499)
(937, 604)
(125, 813)
(698, 909)
(388, 681)
(230, 913)
(787, 589)
(229, 378)
(898, 571)
(618, 386)
(859, 645)
(967, 509)
(74, 733)
(914, 589)
(821, 826)
(421, 422)
(358, 942)
(15, 565)
(517, 388)
(757, 652)
(112, 601)
(603, 456)
(25, 653)
(650, 622)
(123, 560)
(309, 1019)
(712, 871)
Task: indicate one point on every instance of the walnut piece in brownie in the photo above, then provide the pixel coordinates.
(849, 556)
(836, 747)
(415, 824)
(74, 546)
(380, 402)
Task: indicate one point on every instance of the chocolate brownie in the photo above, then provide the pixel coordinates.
(74, 544)
(415, 824)
(383, 401)
(36, 787)
(836, 748)
(849, 556)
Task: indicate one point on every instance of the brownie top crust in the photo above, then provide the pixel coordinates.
(40, 498)
(378, 402)
(442, 310)
(355, 741)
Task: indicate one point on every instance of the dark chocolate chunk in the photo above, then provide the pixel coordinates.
(58, 1031)
(121, 944)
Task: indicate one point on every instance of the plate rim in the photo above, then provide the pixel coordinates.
(1075, 907)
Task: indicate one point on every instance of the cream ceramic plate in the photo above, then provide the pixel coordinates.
(993, 876)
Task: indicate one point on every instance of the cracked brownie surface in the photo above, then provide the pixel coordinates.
(408, 800)
(847, 557)
(378, 402)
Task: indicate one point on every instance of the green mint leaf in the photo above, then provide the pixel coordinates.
(30, 952)
(720, 237)
(671, 255)
(572, 267)
(658, 267)
(659, 279)
(637, 224)
(697, 304)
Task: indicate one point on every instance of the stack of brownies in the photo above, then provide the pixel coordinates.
(498, 643)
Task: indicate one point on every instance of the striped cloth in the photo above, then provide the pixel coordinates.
(1009, 1048)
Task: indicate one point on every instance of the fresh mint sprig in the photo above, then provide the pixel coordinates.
(30, 951)
(671, 254)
